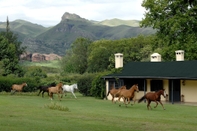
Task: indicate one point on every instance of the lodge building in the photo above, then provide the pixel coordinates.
(178, 78)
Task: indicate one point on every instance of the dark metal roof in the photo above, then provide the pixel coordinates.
(155, 70)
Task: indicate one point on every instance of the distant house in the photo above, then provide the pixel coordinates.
(178, 78)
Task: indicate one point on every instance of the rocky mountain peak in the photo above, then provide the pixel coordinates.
(71, 17)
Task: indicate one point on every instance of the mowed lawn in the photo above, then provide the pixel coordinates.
(32, 113)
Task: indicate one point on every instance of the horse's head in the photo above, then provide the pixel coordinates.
(136, 87)
(163, 92)
(76, 86)
(60, 85)
(24, 84)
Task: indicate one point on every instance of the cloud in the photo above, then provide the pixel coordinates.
(49, 12)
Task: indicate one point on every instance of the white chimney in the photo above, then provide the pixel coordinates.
(118, 60)
(179, 55)
(155, 57)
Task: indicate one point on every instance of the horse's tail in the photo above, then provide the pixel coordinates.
(141, 99)
(108, 93)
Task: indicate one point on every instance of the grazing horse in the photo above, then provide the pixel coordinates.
(55, 90)
(44, 89)
(18, 88)
(128, 94)
(153, 96)
(115, 92)
(70, 88)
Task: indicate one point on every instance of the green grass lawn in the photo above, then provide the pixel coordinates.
(21, 112)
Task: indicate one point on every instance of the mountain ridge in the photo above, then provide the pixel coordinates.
(58, 38)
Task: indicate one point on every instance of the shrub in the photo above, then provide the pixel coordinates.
(35, 72)
(55, 106)
(85, 84)
(98, 88)
(7, 82)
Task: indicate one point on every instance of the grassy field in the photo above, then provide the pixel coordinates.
(52, 63)
(28, 112)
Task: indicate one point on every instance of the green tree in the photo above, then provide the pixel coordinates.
(176, 24)
(101, 53)
(67, 63)
(75, 60)
(10, 52)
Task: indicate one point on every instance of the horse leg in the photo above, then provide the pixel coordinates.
(13, 92)
(42, 93)
(161, 105)
(62, 94)
(128, 101)
(59, 96)
(148, 105)
(39, 92)
(134, 101)
(156, 104)
(112, 100)
(119, 100)
(124, 100)
(74, 94)
(50, 95)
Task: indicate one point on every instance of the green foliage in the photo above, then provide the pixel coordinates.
(101, 53)
(85, 83)
(10, 51)
(98, 88)
(70, 78)
(76, 59)
(7, 82)
(35, 72)
(176, 25)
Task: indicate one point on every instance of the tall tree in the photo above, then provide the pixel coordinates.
(75, 60)
(176, 24)
(10, 52)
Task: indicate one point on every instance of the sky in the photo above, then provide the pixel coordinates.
(49, 12)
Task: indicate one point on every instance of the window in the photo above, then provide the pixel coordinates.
(156, 85)
(141, 83)
(116, 84)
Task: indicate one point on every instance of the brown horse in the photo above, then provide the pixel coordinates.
(55, 90)
(128, 94)
(153, 96)
(18, 88)
(115, 92)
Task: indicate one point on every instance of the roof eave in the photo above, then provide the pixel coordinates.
(152, 77)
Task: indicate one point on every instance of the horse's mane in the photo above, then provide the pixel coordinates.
(59, 84)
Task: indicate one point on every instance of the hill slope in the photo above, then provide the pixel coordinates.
(117, 22)
(58, 38)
